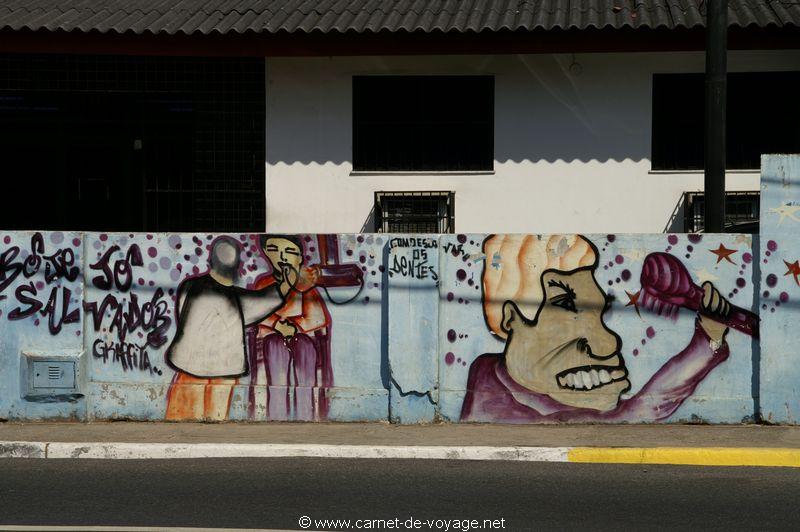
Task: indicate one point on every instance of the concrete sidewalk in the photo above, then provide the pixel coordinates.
(684, 444)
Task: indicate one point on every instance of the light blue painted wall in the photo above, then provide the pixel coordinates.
(402, 345)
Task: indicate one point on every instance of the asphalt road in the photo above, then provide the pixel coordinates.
(275, 493)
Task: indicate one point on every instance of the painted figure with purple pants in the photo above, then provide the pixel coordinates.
(290, 349)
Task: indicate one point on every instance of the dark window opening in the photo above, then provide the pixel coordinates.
(414, 212)
(109, 143)
(763, 117)
(741, 212)
(423, 123)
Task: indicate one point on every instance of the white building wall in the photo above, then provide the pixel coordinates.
(572, 145)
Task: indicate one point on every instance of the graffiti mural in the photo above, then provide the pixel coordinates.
(407, 328)
(561, 360)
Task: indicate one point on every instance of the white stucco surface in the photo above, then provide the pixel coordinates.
(572, 145)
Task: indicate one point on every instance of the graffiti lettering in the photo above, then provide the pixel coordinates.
(129, 356)
(26, 294)
(128, 316)
(416, 267)
(413, 242)
(121, 275)
(60, 264)
(455, 250)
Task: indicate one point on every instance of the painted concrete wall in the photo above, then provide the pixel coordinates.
(566, 143)
(469, 327)
(780, 288)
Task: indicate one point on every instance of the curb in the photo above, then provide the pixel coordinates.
(697, 456)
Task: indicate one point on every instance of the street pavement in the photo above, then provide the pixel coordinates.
(276, 493)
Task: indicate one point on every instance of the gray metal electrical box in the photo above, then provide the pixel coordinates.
(51, 376)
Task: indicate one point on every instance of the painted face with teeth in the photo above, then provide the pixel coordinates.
(566, 351)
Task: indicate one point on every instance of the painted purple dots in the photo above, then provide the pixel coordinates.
(747, 258)
(695, 238)
(772, 245)
(461, 275)
(672, 239)
(772, 280)
(103, 237)
(451, 336)
(449, 358)
(650, 332)
(619, 259)
(635, 352)
(611, 238)
(450, 296)
(690, 248)
(783, 297)
(57, 237)
(152, 252)
(741, 283)
(462, 239)
(76, 242)
(362, 259)
(626, 275)
(7, 239)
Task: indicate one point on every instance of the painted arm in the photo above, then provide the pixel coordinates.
(675, 381)
(258, 304)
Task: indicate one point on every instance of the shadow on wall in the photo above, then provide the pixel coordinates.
(547, 108)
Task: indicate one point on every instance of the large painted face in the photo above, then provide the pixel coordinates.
(566, 351)
(284, 256)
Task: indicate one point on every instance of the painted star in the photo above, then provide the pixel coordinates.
(723, 253)
(633, 299)
(786, 211)
(705, 275)
(793, 269)
(634, 255)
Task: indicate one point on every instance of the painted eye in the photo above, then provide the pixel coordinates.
(565, 302)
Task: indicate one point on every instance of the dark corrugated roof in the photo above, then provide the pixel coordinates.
(272, 16)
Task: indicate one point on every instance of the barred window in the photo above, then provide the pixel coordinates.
(423, 123)
(414, 212)
(763, 116)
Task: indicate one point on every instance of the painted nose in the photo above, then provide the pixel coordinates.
(604, 344)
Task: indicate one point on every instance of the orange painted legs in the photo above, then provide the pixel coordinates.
(197, 399)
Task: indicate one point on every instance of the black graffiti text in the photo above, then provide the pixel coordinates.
(417, 267)
(413, 242)
(455, 250)
(127, 316)
(120, 276)
(57, 314)
(129, 356)
(58, 265)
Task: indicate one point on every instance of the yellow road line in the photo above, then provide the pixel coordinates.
(703, 456)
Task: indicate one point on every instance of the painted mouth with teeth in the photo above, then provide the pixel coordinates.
(590, 377)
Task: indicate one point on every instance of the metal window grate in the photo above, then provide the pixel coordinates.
(415, 212)
(741, 212)
(136, 143)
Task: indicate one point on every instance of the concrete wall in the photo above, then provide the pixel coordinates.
(567, 141)
(780, 288)
(467, 327)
